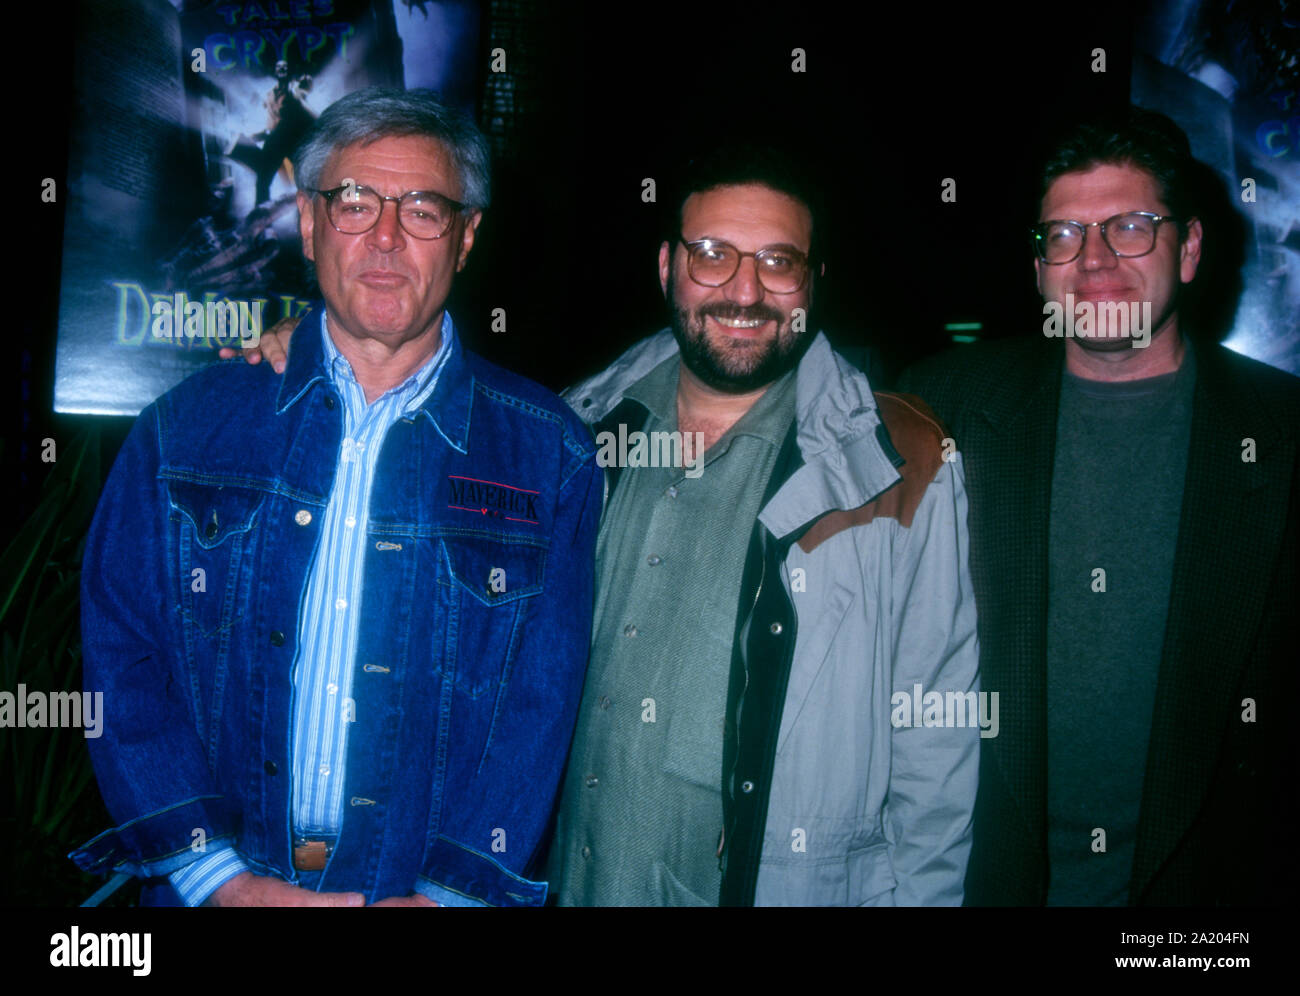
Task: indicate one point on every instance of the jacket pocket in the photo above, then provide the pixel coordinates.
(869, 874)
(670, 892)
(490, 585)
(215, 533)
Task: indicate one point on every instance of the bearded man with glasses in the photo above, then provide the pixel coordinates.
(742, 738)
(1133, 546)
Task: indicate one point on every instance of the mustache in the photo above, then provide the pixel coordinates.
(736, 313)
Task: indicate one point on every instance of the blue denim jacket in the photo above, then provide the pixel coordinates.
(465, 694)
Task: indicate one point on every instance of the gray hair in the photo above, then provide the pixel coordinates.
(383, 112)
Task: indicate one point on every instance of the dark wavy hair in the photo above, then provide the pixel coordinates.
(730, 163)
(1132, 136)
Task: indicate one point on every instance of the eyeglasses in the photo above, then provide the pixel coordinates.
(423, 214)
(1127, 235)
(711, 263)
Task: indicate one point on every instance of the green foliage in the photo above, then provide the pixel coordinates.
(48, 800)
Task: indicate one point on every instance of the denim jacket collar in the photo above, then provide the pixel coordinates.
(447, 408)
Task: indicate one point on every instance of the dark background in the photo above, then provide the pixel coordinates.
(597, 98)
(602, 96)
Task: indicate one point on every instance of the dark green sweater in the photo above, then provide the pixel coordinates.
(1117, 487)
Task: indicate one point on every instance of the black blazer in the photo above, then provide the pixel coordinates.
(1213, 826)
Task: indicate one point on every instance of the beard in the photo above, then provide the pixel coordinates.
(736, 366)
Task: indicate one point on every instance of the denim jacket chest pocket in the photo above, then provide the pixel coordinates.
(487, 584)
(214, 535)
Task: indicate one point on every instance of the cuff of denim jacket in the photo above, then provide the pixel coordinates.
(442, 895)
(158, 843)
(474, 878)
(200, 879)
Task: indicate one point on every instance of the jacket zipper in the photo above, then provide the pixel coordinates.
(762, 576)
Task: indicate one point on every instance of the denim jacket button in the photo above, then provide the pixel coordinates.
(302, 517)
(329, 402)
(277, 638)
(270, 767)
(211, 531)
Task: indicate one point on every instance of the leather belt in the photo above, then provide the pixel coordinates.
(311, 855)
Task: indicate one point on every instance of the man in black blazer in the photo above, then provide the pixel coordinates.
(1133, 517)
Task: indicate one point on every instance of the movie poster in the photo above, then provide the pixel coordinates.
(1223, 74)
(181, 231)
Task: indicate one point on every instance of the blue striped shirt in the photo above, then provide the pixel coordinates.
(327, 636)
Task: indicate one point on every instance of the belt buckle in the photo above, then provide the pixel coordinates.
(310, 855)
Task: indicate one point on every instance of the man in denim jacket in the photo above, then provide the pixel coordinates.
(342, 657)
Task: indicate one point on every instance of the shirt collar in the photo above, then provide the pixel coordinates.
(767, 419)
(447, 405)
(657, 390)
(412, 391)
